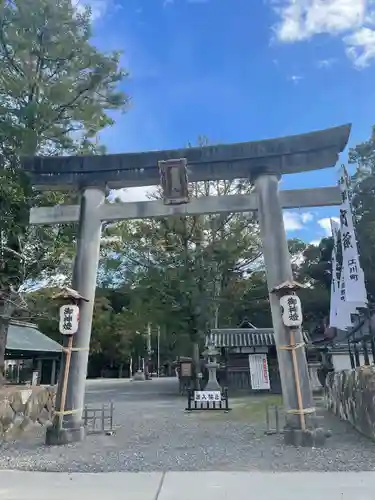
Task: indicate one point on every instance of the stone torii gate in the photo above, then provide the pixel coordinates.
(263, 162)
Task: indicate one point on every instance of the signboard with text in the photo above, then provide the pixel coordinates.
(259, 374)
(207, 396)
(185, 369)
(216, 400)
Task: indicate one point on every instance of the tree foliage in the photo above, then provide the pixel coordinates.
(363, 183)
(183, 274)
(56, 87)
(56, 90)
(189, 263)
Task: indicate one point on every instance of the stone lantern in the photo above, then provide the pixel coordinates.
(212, 365)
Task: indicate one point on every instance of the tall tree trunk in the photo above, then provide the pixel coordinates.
(4, 325)
(6, 311)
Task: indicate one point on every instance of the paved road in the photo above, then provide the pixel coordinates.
(188, 485)
(128, 391)
(155, 434)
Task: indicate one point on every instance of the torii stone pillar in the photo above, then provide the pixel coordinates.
(84, 281)
(278, 270)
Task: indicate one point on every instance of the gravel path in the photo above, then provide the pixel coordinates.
(156, 435)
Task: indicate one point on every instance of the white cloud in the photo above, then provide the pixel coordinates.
(171, 2)
(295, 79)
(293, 221)
(99, 8)
(361, 47)
(302, 19)
(350, 19)
(133, 194)
(307, 217)
(315, 243)
(325, 224)
(326, 63)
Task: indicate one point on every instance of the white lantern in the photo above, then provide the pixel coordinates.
(291, 310)
(69, 317)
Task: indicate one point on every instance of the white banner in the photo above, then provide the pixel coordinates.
(259, 375)
(340, 313)
(344, 309)
(353, 276)
(336, 272)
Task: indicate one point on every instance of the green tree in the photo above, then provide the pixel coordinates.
(314, 271)
(311, 266)
(363, 183)
(165, 260)
(112, 328)
(182, 267)
(56, 89)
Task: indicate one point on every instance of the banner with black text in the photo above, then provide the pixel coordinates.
(353, 282)
(340, 314)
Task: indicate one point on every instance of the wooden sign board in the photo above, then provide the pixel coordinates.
(185, 369)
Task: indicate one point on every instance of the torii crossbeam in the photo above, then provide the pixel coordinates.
(262, 162)
(295, 198)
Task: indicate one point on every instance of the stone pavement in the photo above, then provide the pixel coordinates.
(145, 414)
(188, 485)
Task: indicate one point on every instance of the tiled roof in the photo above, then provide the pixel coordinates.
(242, 337)
(27, 337)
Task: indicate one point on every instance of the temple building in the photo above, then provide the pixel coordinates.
(30, 356)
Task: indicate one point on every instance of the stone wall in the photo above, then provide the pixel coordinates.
(24, 408)
(351, 396)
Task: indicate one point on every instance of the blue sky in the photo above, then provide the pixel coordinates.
(240, 70)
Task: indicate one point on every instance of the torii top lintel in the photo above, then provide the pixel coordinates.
(284, 155)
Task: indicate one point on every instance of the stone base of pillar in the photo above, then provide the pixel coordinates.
(59, 437)
(138, 376)
(212, 385)
(307, 438)
(316, 386)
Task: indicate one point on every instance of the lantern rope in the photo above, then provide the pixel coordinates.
(73, 349)
(68, 412)
(291, 347)
(303, 411)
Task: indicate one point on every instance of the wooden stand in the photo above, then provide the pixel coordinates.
(68, 351)
(297, 382)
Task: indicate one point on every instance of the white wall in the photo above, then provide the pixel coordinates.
(341, 361)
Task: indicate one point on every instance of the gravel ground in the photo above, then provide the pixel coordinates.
(155, 434)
